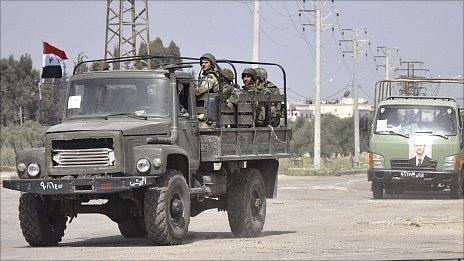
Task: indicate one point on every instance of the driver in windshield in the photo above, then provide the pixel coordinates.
(444, 121)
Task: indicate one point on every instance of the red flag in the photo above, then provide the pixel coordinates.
(50, 49)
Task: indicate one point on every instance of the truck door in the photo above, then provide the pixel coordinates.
(188, 124)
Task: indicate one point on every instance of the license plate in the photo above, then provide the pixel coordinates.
(412, 174)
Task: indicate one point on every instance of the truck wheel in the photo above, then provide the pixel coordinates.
(456, 191)
(377, 190)
(246, 204)
(167, 209)
(40, 229)
(133, 228)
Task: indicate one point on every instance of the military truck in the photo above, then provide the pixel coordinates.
(416, 141)
(130, 147)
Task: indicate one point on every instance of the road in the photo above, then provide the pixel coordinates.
(326, 217)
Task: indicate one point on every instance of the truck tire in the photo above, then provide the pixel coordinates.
(167, 209)
(456, 190)
(40, 229)
(133, 228)
(377, 190)
(246, 204)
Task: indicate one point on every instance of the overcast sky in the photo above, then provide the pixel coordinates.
(427, 31)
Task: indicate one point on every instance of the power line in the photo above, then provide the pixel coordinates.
(294, 25)
(267, 35)
(267, 21)
(275, 11)
(339, 91)
(297, 93)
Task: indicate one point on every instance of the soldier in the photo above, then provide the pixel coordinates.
(264, 83)
(250, 77)
(270, 88)
(230, 91)
(249, 80)
(209, 80)
(100, 66)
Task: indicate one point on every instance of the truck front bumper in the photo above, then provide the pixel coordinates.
(78, 186)
(413, 176)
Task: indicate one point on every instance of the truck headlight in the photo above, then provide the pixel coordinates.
(157, 162)
(376, 161)
(33, 169)
(451, 163)
(143, 165)
(21, 167)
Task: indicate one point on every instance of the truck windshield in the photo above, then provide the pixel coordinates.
(102, 97)
(411, 119)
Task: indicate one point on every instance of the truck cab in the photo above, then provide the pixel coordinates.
(416, 144)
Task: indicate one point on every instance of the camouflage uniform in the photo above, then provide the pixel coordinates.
(209, 79)
(100, 66)
(253, 88)
(230, 92)
(270, 88)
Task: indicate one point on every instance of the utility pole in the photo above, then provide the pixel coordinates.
(355, 47)
(318, 28)
(411, 88)
(127, 25)
(20, 114)
(386, 53)
(256, 30)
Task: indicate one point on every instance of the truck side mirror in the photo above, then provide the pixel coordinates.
(363, 123)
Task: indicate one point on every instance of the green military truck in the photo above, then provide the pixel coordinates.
(130, 146)
(416, 142)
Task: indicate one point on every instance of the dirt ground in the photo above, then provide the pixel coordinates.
(329, 217)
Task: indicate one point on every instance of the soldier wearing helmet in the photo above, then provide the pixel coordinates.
(249, 77)
(100, 66)
(209, 79)
(230, 91)
(264, 83)
(250, 81)
(270, 88)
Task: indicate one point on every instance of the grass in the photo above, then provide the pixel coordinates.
(303, 166)
(29, 134)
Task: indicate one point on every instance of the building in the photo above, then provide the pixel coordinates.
(342, 108)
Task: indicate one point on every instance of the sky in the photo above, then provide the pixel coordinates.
(427, 31)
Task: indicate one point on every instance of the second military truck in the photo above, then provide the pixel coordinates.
(417, 140)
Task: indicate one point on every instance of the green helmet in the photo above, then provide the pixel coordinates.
(251, 72)
(100, 66)
(209, 57)
(261, 73)
(228, 74)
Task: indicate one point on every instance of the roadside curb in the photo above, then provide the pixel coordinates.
(330, 173)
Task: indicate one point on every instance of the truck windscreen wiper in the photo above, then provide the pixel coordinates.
(393, 132)
(128, 114)
(433, 134)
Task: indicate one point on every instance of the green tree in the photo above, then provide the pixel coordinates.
(19, 89)
(336, 137)
(157, 48)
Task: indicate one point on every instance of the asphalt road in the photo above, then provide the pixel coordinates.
(312, 218)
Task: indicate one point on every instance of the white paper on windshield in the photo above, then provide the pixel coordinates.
(382, 125)
(74, 102)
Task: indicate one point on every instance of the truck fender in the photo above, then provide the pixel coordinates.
(171, 156)
(27, 156)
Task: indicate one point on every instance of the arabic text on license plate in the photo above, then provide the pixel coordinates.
(411, 174)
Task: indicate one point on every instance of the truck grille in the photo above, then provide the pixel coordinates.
(84, 157)
(403, 164)
(83, 152)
